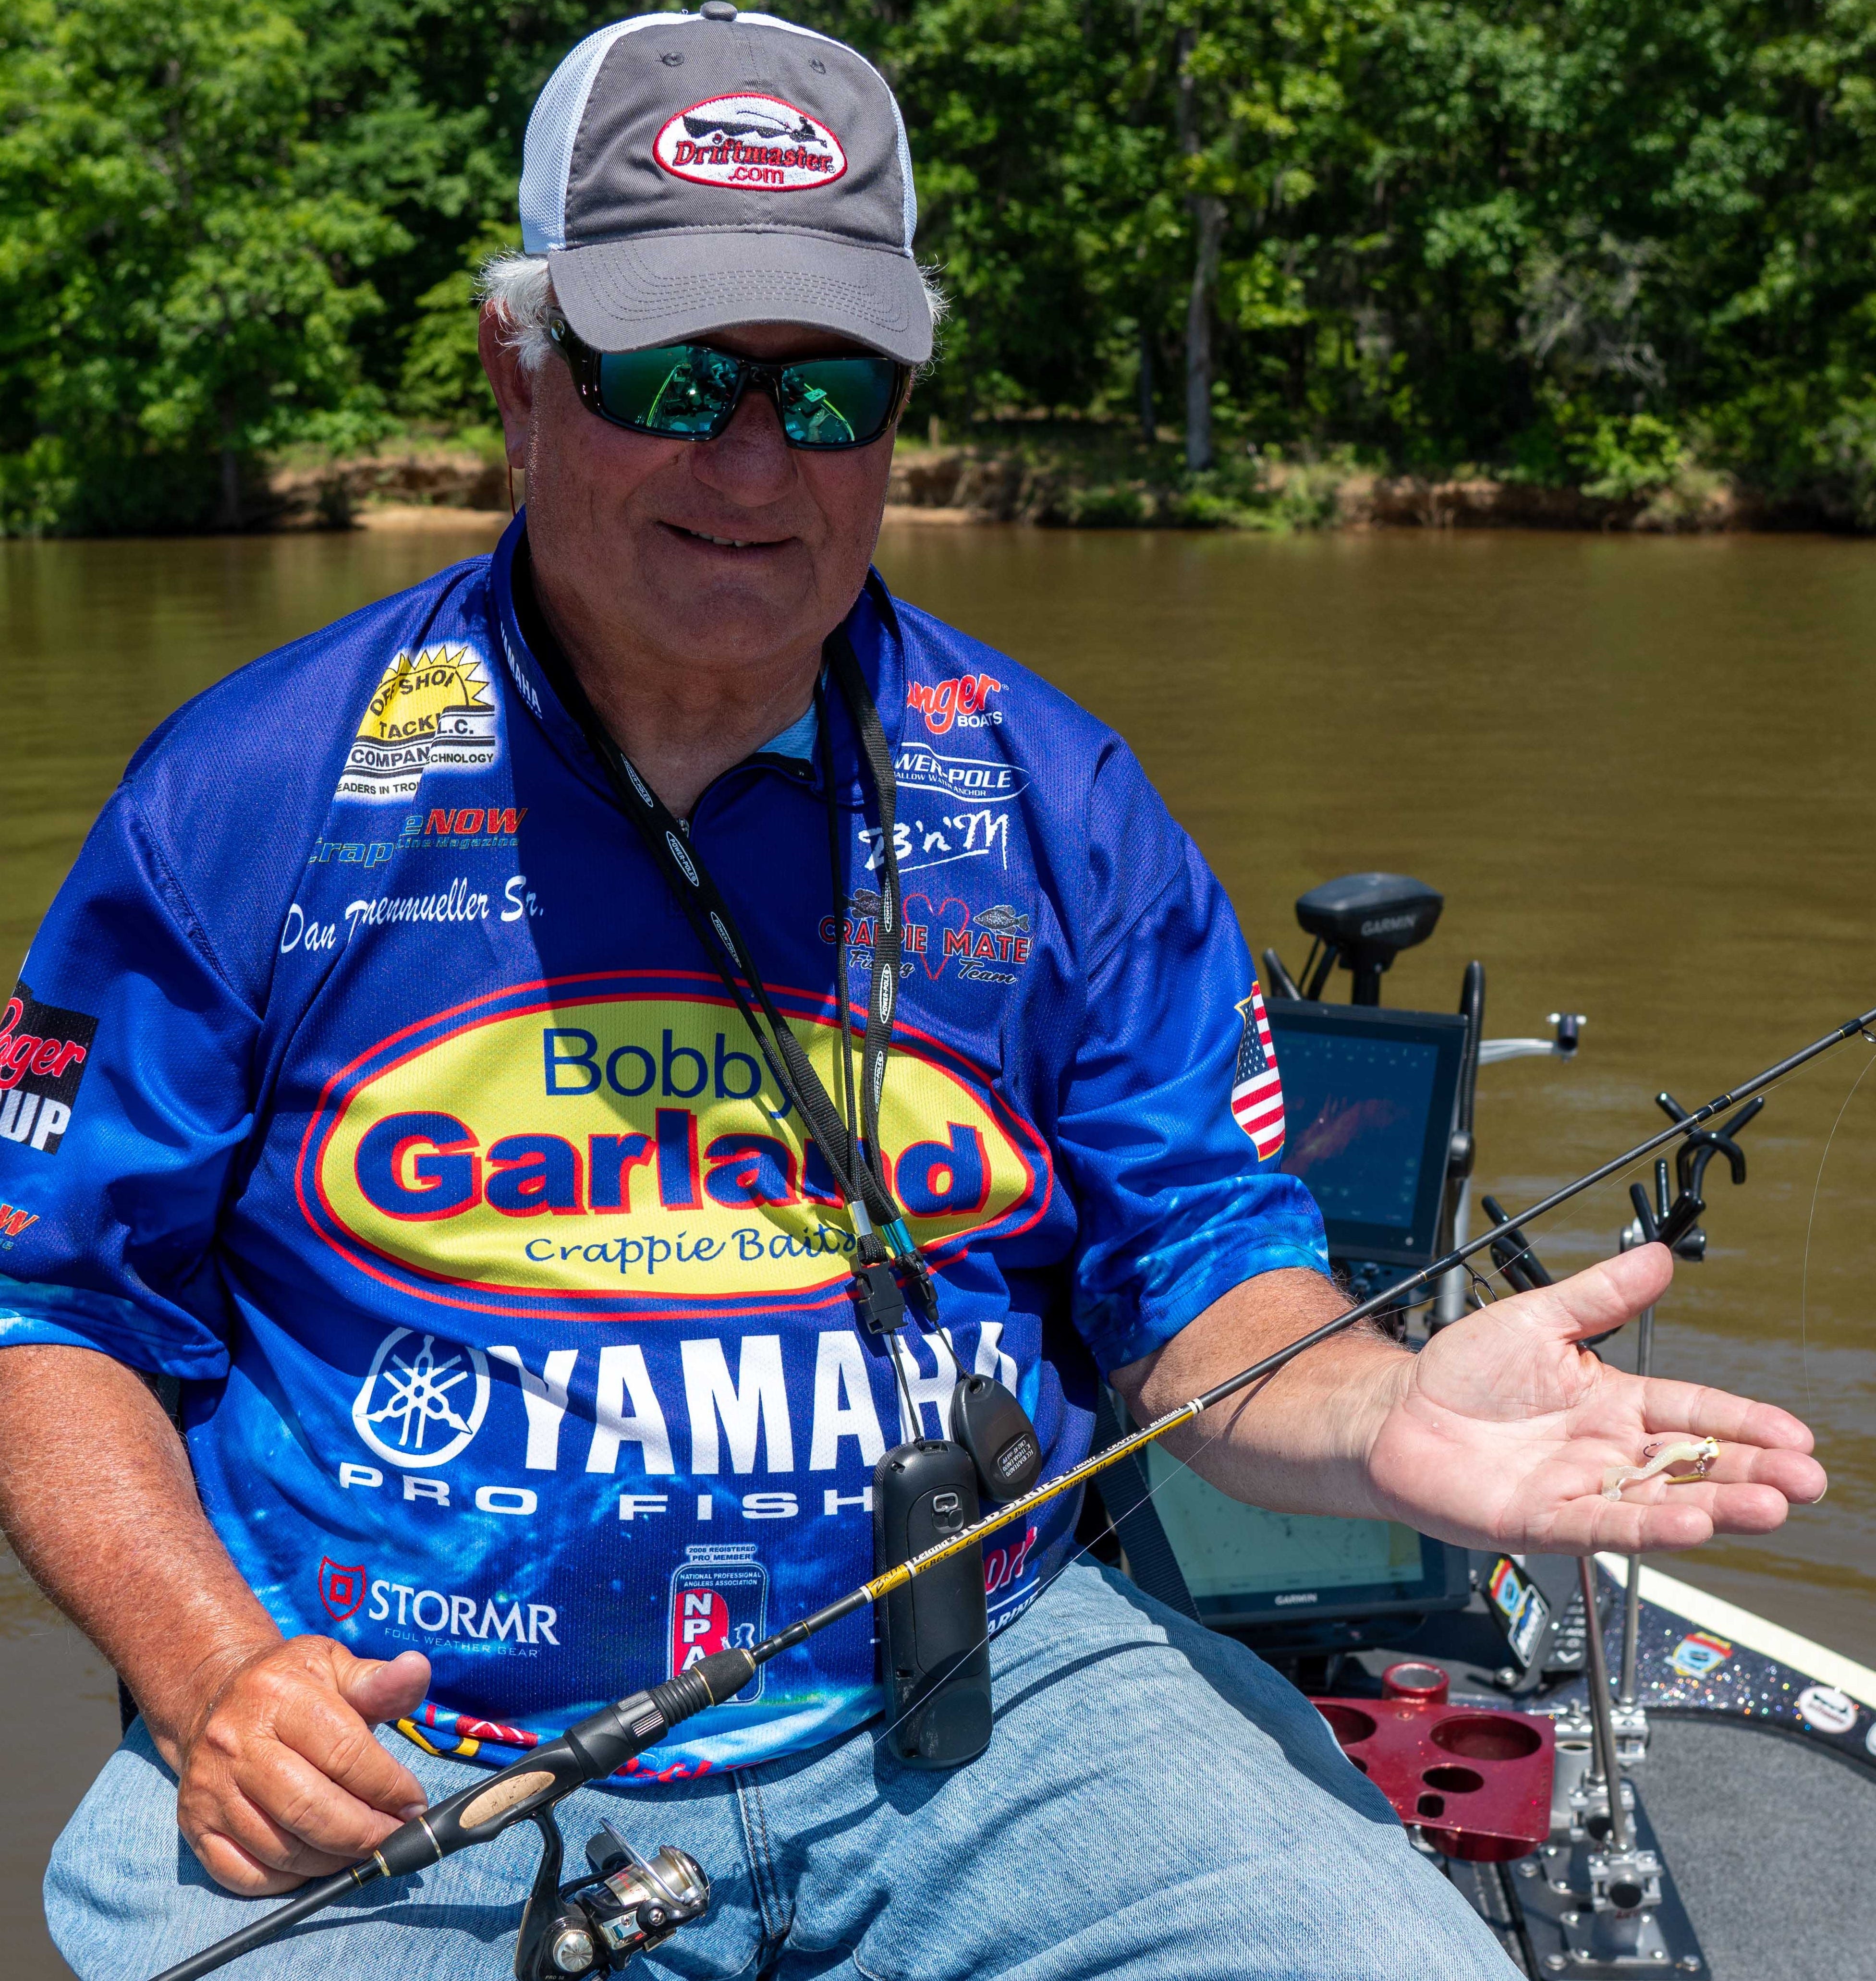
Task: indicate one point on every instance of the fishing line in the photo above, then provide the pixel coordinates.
(1803, 1280)
(1489, 1297)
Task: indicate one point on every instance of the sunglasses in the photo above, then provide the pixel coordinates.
(691, 391)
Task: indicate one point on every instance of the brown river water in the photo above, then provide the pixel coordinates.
(1641, 771)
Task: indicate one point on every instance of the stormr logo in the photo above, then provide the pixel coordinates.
(615, 1144)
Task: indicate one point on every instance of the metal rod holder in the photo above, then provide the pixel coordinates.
(1631, 1600)
(1602, 1709)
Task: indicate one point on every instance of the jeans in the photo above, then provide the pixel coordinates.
(1155, 1801)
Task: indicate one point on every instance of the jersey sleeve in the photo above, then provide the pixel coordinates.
(125, 1064)
(1176, 1205)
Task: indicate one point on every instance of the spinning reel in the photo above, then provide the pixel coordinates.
(626, 1905)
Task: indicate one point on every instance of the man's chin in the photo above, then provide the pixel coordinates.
(724, 602)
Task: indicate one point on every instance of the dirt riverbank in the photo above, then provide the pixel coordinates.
(1056, 482)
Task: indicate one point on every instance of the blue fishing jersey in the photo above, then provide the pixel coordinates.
(366, 1077)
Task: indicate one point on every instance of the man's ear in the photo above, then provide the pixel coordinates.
(511, 384)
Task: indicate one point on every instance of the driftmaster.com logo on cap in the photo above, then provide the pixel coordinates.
(686, 171)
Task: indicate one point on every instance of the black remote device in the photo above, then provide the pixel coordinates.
(935, 1641)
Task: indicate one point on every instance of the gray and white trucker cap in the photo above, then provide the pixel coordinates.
(683, 172)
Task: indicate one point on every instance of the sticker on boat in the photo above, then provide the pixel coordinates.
(1826, 1710)
(1700, 1654)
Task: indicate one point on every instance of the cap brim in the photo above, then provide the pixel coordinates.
(658, 289)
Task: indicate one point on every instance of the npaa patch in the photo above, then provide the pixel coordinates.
(43, 1052)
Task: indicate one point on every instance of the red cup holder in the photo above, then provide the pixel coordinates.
(1348, 1723)
(1424, 1683)
(1476, 1783)
(1482, 1737)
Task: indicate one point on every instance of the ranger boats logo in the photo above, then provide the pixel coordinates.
(757, 144)
(615, 1145)
(43, 1052)
(431, 711)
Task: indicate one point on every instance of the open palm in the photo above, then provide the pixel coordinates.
(1502, 1434)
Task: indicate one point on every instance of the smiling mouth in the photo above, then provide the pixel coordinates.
(726, 543)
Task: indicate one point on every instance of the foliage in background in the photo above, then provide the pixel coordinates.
(1601, 243)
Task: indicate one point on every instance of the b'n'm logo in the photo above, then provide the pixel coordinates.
(617, 1144)
(430, 711)
(756, 143)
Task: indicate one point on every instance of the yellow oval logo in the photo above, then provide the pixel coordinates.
(630, 1145)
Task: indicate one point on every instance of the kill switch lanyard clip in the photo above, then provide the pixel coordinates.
(879, 1228)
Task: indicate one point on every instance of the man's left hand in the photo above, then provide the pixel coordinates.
(1502, 1427)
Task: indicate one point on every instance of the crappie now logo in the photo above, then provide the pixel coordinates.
(615, 1144)
(431, 711)
(754, 143)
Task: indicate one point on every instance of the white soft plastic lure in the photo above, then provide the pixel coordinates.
(1698, 1452)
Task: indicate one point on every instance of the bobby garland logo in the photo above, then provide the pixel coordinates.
(414, 1409)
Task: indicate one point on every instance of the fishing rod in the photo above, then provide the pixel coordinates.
(527, 1790)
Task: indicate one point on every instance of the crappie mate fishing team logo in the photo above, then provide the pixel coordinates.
(754, 143)
(614, 1144)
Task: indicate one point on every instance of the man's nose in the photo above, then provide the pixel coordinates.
(749, 462)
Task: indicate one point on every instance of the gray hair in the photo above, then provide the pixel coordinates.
(520, 292)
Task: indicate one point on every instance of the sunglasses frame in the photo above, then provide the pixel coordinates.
(583, 362)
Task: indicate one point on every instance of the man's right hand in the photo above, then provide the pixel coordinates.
(281, 1779)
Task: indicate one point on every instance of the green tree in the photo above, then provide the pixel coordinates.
(183, 273)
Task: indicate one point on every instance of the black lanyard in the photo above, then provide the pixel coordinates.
(879, 1225)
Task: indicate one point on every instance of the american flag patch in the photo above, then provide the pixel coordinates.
(1257, 1091)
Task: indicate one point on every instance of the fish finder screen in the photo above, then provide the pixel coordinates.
(1368, 1096)
(1357, 1113)
(1227, 1550)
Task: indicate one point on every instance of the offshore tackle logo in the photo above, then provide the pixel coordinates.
(753, 143)
(430, 711)
(615, 1144)
(413, 1409)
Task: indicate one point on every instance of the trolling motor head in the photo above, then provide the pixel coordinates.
(1365, 921)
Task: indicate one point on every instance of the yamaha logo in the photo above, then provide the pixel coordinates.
(421, 1404)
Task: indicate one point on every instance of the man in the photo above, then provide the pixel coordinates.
(386, 1095)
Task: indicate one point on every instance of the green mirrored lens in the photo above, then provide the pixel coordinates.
(675, 389)
(837, 402)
